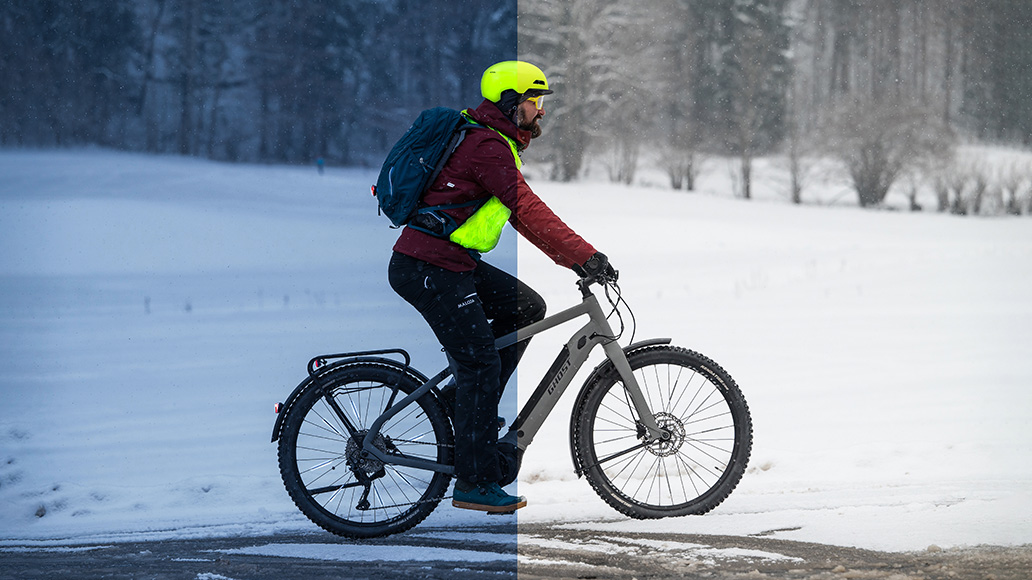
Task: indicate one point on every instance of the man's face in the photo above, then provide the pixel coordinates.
(527, 115)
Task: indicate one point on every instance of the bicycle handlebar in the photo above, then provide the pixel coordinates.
(585, 282)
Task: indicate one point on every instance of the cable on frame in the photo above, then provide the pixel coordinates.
(611, 285)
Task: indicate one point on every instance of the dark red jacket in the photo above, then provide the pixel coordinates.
(482, 166)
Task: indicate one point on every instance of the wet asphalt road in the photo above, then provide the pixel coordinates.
(492, 551)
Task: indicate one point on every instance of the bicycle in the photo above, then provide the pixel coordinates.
(366, 445)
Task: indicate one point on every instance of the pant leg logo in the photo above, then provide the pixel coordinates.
(468, 300)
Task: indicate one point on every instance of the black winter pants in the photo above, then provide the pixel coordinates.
(467, 311)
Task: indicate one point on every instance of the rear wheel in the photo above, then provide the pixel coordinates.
(321, 460)
(691, 472)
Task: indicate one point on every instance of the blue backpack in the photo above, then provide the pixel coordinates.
(412, 166)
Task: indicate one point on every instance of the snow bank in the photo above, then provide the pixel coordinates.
(154, 308)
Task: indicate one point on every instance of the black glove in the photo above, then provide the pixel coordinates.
(597, 268)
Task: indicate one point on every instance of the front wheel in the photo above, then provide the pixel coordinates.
(697, 467)
(321, 460)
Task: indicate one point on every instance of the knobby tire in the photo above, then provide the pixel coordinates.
(691, 473)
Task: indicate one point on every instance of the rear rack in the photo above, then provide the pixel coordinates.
(323, 359)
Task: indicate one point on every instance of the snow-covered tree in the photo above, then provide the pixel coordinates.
(598, 56)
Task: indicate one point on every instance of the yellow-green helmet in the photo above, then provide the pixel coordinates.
(524, 78)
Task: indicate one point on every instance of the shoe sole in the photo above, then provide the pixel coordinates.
(491, 509)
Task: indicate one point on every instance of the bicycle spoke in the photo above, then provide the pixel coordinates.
(693, 470)
(684, 391)
(326, 425)
(323, 461)
(601, 442)
(619, 454)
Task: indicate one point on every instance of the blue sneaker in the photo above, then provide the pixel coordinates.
(485, 497)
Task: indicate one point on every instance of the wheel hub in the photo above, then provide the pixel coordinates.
(364, 463)
(670, 445)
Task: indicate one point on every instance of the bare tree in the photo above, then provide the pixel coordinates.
(948, 182)
(955, 182)
(912, 180)
(1028, 197)
(594, 53)
(680, 26)
(747, 113)
(759, 73)
(622, 160)
(877, 142)
(799, 154)
(981, 185)
(1014, 179)
(682, 166)
(626, 127)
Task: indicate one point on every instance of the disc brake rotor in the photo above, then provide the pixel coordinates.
(674, 426)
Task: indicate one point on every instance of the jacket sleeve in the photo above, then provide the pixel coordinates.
(534, 220)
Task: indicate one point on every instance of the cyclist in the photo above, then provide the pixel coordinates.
(468, 302)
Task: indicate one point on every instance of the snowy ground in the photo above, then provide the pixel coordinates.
(153, 309)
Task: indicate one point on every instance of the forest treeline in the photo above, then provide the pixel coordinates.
(251, 80)
(293, 81)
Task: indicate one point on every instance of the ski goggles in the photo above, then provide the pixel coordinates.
(538, 101)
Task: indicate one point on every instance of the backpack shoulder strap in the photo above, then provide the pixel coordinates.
(453, 144)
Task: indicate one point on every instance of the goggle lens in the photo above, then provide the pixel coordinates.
(538, 101)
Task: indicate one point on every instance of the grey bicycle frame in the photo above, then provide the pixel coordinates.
(549, 390)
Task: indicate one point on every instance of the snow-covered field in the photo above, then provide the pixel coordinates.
(153, 309)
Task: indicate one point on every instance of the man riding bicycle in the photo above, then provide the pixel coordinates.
(468, 302)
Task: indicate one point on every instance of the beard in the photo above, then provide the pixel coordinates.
(531, 125)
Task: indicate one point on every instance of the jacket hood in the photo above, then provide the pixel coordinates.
(489, 114)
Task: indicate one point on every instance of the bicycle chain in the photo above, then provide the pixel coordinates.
(417, 502)
(392, 440)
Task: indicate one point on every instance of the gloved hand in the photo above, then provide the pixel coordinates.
(597, 268)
